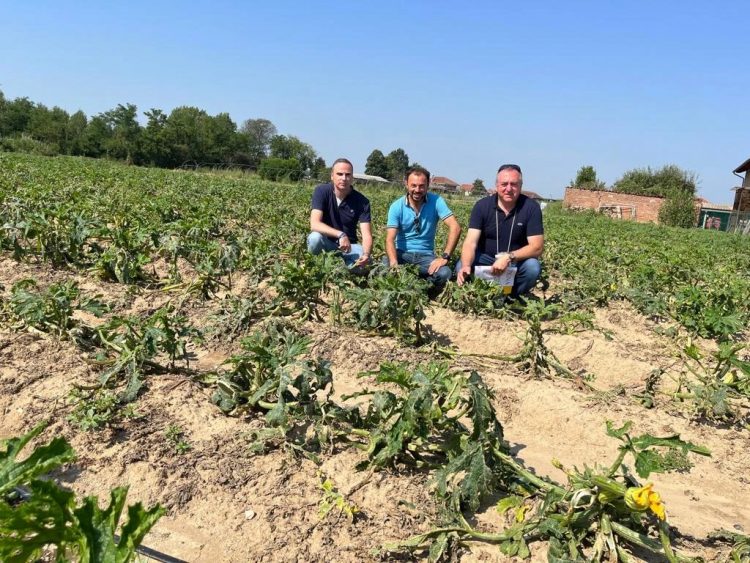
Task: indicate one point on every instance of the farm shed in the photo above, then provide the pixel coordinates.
(714, 216)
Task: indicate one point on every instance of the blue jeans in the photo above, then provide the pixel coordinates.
(317, 243)
(528, 272)
(423, 260)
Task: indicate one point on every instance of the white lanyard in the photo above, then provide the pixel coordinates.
(497, 231)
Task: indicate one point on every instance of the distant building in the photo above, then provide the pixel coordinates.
(740, 219)
(533, 195)
(443, 184)
(742, 193)
(713, 215)
(371, 178)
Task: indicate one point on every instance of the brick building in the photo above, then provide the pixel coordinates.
(643, 209)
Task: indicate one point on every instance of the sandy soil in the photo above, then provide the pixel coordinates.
(227, 505)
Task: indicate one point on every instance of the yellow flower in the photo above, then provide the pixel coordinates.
(644, 498)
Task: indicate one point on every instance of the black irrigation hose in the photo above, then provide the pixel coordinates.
(142, 549)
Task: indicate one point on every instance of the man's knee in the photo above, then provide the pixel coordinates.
(442, 276)
(315, 243)
(531, 269)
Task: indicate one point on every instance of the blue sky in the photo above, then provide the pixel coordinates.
(548, 85)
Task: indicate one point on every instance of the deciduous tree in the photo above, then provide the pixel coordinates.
(377, 164)
(257, 138)
(398, 162)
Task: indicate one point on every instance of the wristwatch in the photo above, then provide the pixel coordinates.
(512, 256)
(445, 256)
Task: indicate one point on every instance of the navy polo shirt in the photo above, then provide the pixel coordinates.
(355, 208)
(525, 220)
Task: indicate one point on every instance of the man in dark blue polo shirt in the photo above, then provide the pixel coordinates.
(336, 210)
(505, 229)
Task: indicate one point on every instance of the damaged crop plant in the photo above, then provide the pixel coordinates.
(219, 259)
(440, 420)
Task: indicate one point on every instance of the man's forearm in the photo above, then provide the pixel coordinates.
(367, 244)
(390, 250)
(323, 229)
(453, 236)
(528, 251)
(468, 252)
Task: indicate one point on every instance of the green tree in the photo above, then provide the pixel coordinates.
(377, 165)
(186, 136)
(678, 210)
(222, 141)
(319, 170)
(586, 179)
(398, 163)
(95, 137)
(478, 187)
(123, 142)
(257, 135)
(153, 144)
(289, 147)
(15, 116)
(76, 128)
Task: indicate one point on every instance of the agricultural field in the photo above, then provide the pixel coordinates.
(171, 327)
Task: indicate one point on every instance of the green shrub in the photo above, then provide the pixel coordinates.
(27, 144)
(278, 169)
(656, 183)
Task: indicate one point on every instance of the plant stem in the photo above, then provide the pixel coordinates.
(526, 474)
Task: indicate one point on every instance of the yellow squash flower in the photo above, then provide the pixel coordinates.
(644, 498)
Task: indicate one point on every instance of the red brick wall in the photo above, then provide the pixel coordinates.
(646, 208)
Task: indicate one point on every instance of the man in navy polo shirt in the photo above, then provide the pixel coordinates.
(336, 210)
(412, 224)
(505, 228)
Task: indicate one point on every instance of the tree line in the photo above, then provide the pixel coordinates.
(185, 135)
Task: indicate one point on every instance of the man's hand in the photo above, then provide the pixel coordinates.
(345, 244)
(463, 273)
(500, 265)
(436, 264)
(362, 260)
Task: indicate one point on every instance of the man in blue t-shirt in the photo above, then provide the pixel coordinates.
(336, 210)
(504, 229)
(412, 223)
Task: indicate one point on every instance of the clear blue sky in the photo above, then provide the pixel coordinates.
(548, 85)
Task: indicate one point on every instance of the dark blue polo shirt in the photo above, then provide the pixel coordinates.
(525, 220)
(353, 209)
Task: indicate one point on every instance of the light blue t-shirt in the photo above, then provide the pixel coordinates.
(403, 218)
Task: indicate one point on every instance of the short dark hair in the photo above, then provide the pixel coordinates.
(510, 167)
(340, 161)
(419, 171)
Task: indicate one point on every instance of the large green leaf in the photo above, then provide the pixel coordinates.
(42, 460)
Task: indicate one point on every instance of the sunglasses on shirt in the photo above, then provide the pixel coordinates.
(417, 224)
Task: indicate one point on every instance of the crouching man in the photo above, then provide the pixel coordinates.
(336, 209)
(412, 223)
(505, 229)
